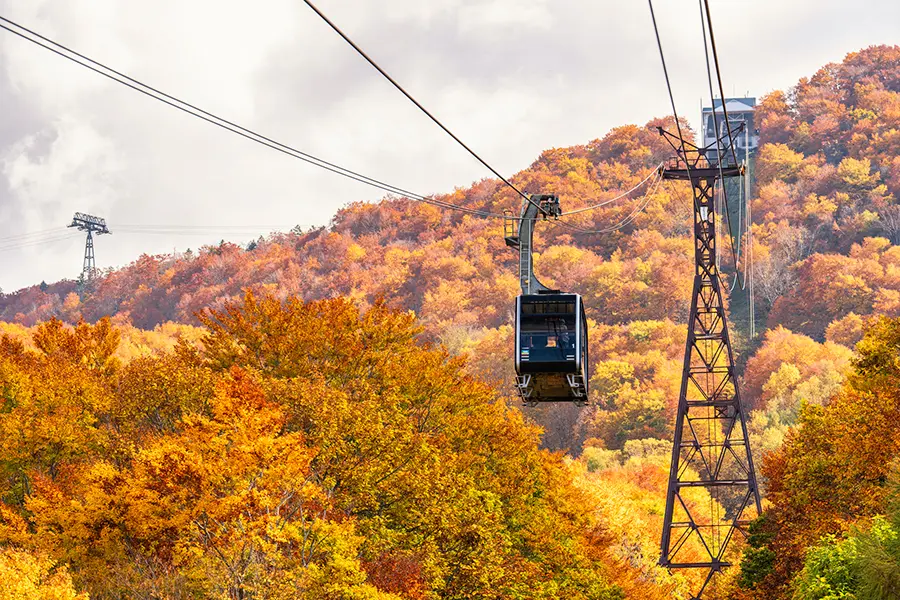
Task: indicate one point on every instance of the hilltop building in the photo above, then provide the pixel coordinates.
(740, 110)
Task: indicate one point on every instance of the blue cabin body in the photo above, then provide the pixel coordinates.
(551, 348)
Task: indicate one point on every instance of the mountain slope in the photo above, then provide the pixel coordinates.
(827, 178)
(826, 221)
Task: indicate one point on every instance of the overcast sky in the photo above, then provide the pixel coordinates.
(510, 77)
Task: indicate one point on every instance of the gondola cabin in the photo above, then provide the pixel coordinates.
(551, 348)
(551, 330)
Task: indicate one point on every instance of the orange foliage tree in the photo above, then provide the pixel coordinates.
(833, 467)
(303, 449)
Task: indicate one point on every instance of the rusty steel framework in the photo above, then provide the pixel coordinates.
(712, 491)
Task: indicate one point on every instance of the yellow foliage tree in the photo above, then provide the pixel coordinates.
(24, 576)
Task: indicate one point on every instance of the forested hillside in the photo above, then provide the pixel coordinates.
(297, 374)
(439, 263)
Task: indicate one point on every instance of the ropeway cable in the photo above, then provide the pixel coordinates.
(186, 107)
(223, 123)
(712, 99)
(626, 221)
(418, 104)
(617, 198)
(40, 242)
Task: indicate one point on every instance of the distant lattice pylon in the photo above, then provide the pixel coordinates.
(92, 225)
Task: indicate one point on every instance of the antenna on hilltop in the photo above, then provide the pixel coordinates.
(92, 225)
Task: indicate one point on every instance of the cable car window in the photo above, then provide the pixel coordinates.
(548, 308)
(547, 331)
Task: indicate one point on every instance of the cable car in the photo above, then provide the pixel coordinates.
(551, 348)
(551, 345)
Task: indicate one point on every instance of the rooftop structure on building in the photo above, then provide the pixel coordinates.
(739, 110)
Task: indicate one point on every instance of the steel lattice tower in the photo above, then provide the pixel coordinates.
(91, 225)
(712, 490)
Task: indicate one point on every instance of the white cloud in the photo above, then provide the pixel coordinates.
(511, 77)
(523, 17)
(67, 167)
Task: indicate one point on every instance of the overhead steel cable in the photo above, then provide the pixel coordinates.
(195, 231)
(150, 226)
(712, 42)
(223, 123)
(195, 111)
(34, 239)
(655, 171)
(39, 242)
(32, 234)
(199, 228)
(737, 275)
(662, 58)
(678, 123)
(184, 233)
(161, 94)
(626, 221)
(734, 254)
(675, 112)
(418, 104)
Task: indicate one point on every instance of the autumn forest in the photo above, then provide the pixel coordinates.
(328, 413)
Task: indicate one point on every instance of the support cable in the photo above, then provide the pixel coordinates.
(712, 99)
(33, 234)
(195, 111)
(617, 198)
(210, 227)
(740, 237)
(418, 104)
(751, 266)
(662, 58)
(39, 242)
(34, 239)
(626, 221)
(248, 229)
(191, 232)
(712, 41)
